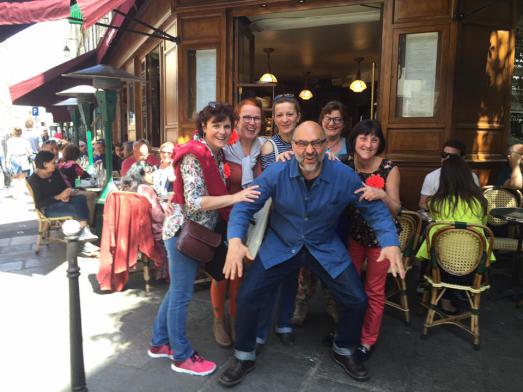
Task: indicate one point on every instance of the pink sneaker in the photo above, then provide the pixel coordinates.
(195, 365)
(163, 351)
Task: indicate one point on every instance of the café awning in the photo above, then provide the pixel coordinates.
(41, 89)
(34, 11)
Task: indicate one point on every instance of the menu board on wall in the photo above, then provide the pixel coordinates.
(205, 77)
(417, 70)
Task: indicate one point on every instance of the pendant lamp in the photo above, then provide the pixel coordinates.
(306, 94)
(358, 85)
(268, 77)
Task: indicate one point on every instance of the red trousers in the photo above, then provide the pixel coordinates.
(219, 291)
(375, 279)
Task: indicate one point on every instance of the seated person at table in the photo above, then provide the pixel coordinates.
(458, 199)
(163, 178)
(139, 179)
(68, 166)
(140, 153)
(99, 151)
(451, 147)
(55, 199)
(510, 176)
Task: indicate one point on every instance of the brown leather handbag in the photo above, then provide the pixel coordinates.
(197, 241)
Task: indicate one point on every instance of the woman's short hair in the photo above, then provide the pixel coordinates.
(215, 111)
(332, 106)
(136, 175)
(70, 152)
(254, 101)
(286, 98)
(43, 157)
(367, 127)
(17, 132)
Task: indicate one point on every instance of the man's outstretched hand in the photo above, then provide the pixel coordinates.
(236, 253)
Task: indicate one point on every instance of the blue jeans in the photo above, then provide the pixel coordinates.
(77, 208)
(170, 324)
(287, 295)
(258, 290)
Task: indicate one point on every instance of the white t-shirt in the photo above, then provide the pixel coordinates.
(431, 182)
(18, 146)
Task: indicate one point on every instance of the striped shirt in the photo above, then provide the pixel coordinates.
(281, 146)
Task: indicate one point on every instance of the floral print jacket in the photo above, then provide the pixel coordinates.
(194, 188)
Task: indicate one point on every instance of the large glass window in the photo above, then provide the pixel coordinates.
(417, 88)
(201, 65)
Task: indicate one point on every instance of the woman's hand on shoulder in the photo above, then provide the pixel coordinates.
(249, 194)
(285, 156)
(331, 156)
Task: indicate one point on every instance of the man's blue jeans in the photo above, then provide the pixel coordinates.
(259, 287)
(170, 324)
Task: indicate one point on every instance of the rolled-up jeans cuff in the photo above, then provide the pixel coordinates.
(260, 340)
(341, 350)
(283, 329)
(245, 355)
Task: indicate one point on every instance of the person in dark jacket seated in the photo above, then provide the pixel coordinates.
(55, 199)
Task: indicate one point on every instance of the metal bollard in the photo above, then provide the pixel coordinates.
(71, 230)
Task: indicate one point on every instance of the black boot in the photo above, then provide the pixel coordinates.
(287, 338)
(352, 366)
(236, 372)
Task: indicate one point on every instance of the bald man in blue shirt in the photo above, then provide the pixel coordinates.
(309, 193)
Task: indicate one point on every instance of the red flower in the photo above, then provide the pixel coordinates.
(226, 170)
(233, 138)
(375, 181)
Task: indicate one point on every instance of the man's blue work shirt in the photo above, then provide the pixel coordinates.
(302, 217)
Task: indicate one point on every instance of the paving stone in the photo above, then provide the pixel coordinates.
(28, 239)
(11, 266)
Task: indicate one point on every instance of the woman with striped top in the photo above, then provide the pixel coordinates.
(286, 116)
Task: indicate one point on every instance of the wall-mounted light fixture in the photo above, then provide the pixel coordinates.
(306, 94)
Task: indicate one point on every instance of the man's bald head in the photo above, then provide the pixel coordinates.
(308, 130)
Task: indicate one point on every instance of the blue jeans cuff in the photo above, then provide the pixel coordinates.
(283, 329)
(260, 340)
(341, 350)
(245, 355)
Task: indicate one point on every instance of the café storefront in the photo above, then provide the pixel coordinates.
(433, 69)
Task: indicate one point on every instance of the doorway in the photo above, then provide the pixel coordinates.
(315, 48)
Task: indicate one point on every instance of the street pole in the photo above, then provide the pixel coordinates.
(71, 231)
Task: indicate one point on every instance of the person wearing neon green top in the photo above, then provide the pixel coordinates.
(458, 199)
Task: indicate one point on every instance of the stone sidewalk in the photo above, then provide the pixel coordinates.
(116, 328)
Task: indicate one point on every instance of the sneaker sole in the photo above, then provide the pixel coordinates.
(154, 355)
(192, 373)
(232, 384)
(348, 372)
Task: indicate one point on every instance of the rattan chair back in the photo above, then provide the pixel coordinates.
(458, 248)
(500, 197)
(410, 223)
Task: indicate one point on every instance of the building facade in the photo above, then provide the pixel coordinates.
(435, 69)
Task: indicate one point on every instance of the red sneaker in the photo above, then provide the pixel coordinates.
(195, 365)
(163, 351)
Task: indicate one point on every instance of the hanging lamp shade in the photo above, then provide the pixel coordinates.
(305, 93)
(268, 77)
(358, 85)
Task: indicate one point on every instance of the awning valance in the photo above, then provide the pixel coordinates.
(41, 89)
(28, 12)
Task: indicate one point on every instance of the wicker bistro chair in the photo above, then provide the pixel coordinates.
(502, 197)
(458, 249)
(411, 223)
(46, 226)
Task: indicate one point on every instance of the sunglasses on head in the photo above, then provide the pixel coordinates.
(279, 97)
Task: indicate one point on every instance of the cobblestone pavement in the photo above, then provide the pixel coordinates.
(116, 328)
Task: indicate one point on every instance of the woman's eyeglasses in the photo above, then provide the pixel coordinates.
(316, 144)
(250, 119)
(335, 120)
